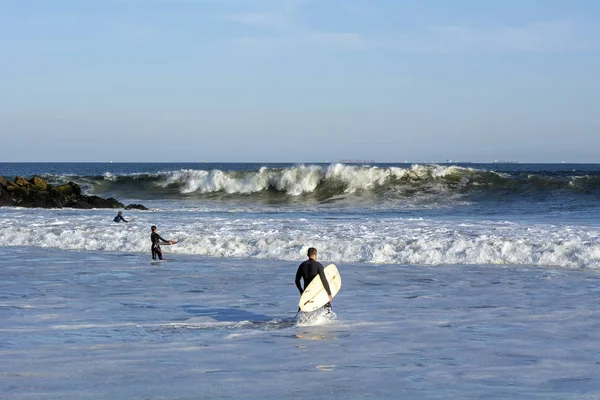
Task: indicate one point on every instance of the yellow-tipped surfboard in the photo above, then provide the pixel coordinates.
(315, 295)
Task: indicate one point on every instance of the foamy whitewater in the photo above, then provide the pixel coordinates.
(459, 281)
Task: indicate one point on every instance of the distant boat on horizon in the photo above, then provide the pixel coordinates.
(449, 161)
(356, 161)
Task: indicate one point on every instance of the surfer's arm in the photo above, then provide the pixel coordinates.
(324, 281)
(298, 276)
(164, 241)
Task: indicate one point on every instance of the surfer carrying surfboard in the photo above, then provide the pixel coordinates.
(309, 270)
(156, 242)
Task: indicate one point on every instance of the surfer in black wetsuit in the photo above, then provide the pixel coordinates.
(156, 242)
(119, 217)
(308, 270)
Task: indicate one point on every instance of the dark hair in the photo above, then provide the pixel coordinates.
(312, 252)
(153, 228)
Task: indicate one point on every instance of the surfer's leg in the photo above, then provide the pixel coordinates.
(156, 252)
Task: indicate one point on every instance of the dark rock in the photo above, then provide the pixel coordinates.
(39, 183)
(5, 199)
(76, 188)
(117, 203)
(99, 202)
(65, 190)
(17, 193)
(80, 204)
(3, 181)
(136, 207)
(62, 195)
(38, 193)
(39, 198)
(52, 203)
(20, 181)
(6, 202)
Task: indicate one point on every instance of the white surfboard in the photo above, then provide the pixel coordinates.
(315, 295)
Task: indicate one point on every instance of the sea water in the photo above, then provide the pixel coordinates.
(470, 282)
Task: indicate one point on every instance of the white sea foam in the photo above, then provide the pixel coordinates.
(294, 181)
(303, 179)
(368, 240)
(318, 317)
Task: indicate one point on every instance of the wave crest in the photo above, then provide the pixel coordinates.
(325, 182)
(293, 181)
(299, 180)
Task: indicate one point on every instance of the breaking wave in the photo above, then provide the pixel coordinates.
(378, 241)
(320, 183)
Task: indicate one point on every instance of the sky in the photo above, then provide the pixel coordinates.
(300, 80)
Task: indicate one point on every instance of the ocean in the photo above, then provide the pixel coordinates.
(462, 281)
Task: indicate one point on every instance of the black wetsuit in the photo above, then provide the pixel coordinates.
(119, 218)
(155, 237)
(308, 270)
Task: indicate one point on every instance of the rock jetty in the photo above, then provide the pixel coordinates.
(36, 192)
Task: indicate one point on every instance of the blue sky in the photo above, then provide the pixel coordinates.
(300, 80)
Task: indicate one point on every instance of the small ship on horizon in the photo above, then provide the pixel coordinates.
(357, 161)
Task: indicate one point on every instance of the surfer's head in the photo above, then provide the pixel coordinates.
(120, 213)
(153, 228)
(312, 253)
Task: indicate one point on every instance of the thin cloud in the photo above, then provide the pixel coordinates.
(338, 39)
(261, 20)
(321, 39)
(538, 37)
(286, 31)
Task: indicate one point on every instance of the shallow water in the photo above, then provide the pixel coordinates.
(78, 324)
(459, 282)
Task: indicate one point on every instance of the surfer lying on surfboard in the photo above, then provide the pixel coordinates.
(309, 270)
(156, 242)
